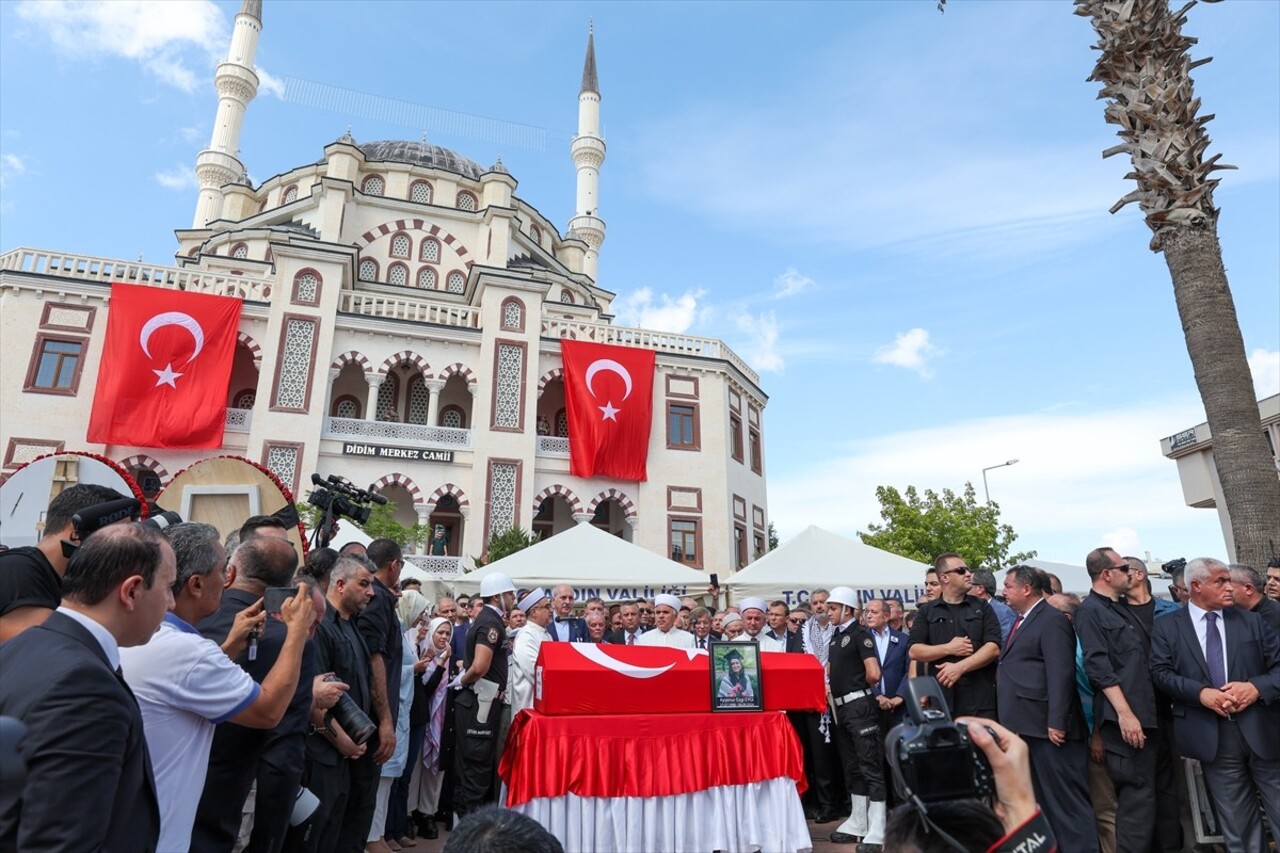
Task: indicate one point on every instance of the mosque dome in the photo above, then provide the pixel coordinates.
(422, 154)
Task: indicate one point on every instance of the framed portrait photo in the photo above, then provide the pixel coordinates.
(735, 676)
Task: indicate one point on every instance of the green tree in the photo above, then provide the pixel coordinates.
(773, 537)
(922, 527)
(505, 544)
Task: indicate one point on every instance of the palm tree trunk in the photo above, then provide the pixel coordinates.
(1145, 70)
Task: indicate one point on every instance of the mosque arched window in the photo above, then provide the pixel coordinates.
(368, 270)
(373, 185)
(427, 278)
(466, 201)
(398, 274)
(401, 246)
(420, 192)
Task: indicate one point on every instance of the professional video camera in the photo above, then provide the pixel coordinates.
(339, 499)
(931, 757)
(94, 518)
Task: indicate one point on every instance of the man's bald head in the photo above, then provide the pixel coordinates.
(265, 560)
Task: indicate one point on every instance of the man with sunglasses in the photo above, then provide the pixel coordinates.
(1117, 647)
(958, 637)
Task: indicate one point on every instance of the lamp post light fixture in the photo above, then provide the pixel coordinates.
(985, 491)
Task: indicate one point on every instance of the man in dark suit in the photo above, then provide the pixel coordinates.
(1116, 649)
(1036, 689)
(1247, 585)
(565, 627)
(630, 632)
(89, 779)
(1221, 666)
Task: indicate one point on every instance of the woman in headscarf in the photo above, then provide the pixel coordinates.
(431, 701)
(391, 817)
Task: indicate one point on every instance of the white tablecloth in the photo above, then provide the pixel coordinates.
(760, 816)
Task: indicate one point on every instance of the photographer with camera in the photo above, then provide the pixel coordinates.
(339, 770)
(31, 576)
(855, 667)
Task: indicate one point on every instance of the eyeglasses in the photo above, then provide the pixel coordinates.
(645, 612)
(797, 621)
(1125, 567)
(958, 570)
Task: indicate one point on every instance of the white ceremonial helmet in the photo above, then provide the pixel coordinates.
(843, 595)
(495, 583)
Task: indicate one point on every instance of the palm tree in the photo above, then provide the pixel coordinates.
(1145, 72)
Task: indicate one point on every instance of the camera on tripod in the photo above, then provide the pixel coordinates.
(340, 499)
(931, 756)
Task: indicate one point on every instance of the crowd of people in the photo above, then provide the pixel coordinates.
(157, 674)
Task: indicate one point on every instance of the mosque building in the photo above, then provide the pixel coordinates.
(401, 326)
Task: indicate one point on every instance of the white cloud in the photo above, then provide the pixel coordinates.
(1084, 478)
(167, 38)
(790, 283)
(177, 178)
(190, 135)
(1125, 540)
(1265, 366)
(757, 341)
(11, 166)
(911, 350)
(661, 313)
(269, 84)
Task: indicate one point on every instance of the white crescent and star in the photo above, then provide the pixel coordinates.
(169, 376)
(597, 655)
(607, 365)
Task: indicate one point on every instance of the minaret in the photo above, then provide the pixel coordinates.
(237, 84)
(587, 149)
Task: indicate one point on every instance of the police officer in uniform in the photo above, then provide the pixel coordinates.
(855, 667)
(478, 707)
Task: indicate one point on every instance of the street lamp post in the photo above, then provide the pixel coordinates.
(986, 493)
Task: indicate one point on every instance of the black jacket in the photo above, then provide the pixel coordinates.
(1116, 652)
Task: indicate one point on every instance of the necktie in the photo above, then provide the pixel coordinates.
(1017, 623)
(1213, 651)
(631, 639)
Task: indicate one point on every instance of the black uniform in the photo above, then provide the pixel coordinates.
(857, 715)
(477, 743)
(28, 579)
(938, 623)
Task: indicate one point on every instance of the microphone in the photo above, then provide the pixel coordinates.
(375, 497)
(317, 480)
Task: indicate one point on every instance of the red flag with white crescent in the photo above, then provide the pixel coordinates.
(165, 368)
(609, 405)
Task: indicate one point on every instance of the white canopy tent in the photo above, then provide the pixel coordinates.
(818, 559)
(1074, 578)
(596, 563)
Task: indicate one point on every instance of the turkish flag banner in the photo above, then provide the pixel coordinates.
(609, 403)
(165, 368)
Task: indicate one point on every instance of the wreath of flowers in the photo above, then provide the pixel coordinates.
(132, 484)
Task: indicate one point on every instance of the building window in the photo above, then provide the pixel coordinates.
(453, 417)
(419, 400)
(368, 270)
(535, 234)
(466, 201)
(239, 250)
(682, 426)
(401, 246)
(346, 406)
(427, 278)
(306, 287)
(430, 250)
(757, 540)
(55, 365)
(562, 424)
(398, 274)
(420, 192)
(282, 460)
(388, 399)
(373, 185)
(457, 282)
(290, 195)
(508, 385)
(566, 297)
(740, 544)
(245, 400)
(296, 357)
(512, 315)
(735, 437)
(757, 463)
(685, 541)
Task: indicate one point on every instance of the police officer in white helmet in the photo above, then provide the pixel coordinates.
(478, 707)
(854, 669)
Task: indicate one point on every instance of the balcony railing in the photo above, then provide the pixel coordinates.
(661, 341)
(390, 430)
(401, 308)
(239, 420)
(553, 445)
(439, 566)
(106, 271)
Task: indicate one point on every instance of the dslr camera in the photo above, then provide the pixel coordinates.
(354, 722)
(931, 756)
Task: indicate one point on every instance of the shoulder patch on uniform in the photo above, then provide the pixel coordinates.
(844, 641)
(866, 641)
(493, 635)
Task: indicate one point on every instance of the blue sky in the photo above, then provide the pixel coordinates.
(899, 217)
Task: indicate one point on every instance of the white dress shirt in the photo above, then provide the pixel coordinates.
(104, 637)
(1201, 625)
(767, 643)
(524, 660)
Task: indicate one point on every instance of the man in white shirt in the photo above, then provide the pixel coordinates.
(185, 684)
(536, 606)
(665, 633)
(753, 621)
